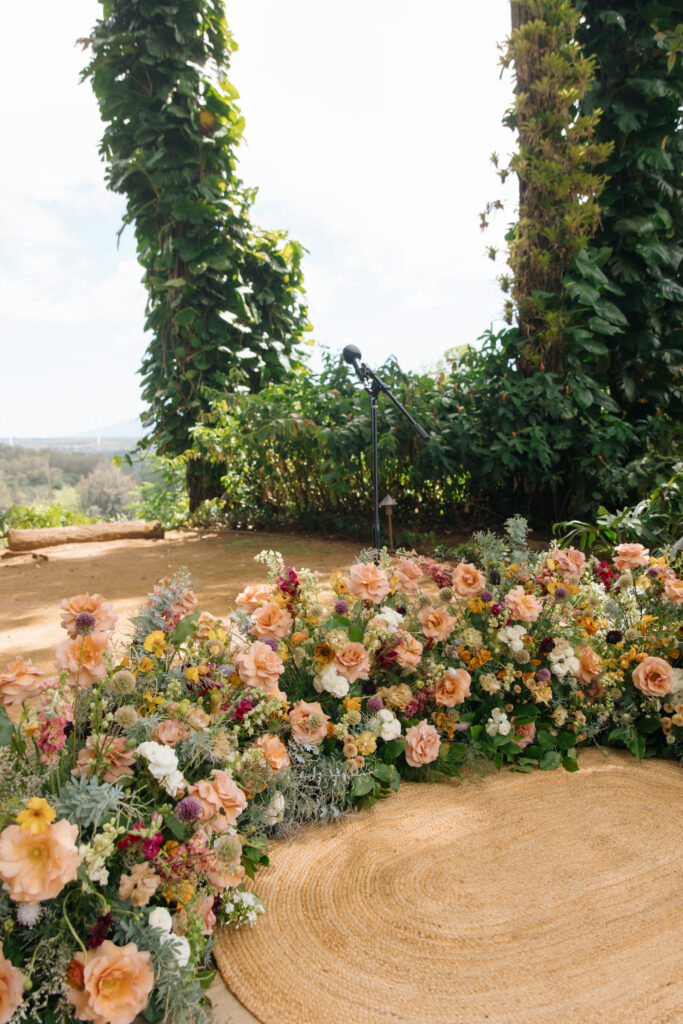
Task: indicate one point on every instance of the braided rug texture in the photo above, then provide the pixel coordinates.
(549, 898)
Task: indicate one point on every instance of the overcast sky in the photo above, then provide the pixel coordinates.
(369, 126)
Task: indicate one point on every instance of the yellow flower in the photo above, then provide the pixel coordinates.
(476, 605)
(643, 583)
(38, 816)
(151, 701)
(155, 643)
(352, 703)
(146, 664)
(192, 674)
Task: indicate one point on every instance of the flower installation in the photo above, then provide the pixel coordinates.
(139, 786)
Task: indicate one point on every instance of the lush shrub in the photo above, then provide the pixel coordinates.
(163, 496)
(29, 517)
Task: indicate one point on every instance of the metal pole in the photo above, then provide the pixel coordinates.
(375, 466)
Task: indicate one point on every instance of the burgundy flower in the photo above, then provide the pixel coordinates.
(151, 846)
(99, 931)
(375, 704)
(546, 645)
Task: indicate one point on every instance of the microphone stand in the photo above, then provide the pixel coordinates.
(373, 384)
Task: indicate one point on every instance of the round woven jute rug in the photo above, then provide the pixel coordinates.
(519, 899)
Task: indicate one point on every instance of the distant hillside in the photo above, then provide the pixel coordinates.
(125, 428)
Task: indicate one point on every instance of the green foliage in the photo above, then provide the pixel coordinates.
(556, 163)
(106, 491)
(224, 299)
(163, 496)
(87, 801)
(29, 517)
(30, 475)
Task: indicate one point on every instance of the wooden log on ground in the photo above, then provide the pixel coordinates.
(47, 537)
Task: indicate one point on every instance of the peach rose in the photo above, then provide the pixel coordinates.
(368, 583)
(36, 868)
(271, 622)
(523, 606)
(408, 652)
(223, 878)
(631, 556)
(221, 799)
(673, 590)
(524, 735)
(467, 580)
(140, 885)
(117, 984)
(105, 754)
(453, 687)
(274, 751)
(252, 597)
(205, 914)
(437, 624)
(20, 682)
(105, 619)
(81, 657)
(422, 744)
(352, 662)
(260, 667)
(406, 575)
(170, 732)
(589, 665)
(309, 723)
(653, 677)
(570, 561)
(11, 988)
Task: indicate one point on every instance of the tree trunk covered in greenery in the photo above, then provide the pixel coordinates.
(225, 307)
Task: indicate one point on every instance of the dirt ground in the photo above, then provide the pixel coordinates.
(124, 572)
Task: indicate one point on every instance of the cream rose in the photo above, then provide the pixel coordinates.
(352, 662)
(271, 622)
(654, 677)
(437, 624)
(523, 606)
(422, 744)
(117, 983)
(467, 580)
(630, 556)
(20, 682)
(368, 583)
(453, 687)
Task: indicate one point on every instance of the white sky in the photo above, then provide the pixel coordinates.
(369, 126)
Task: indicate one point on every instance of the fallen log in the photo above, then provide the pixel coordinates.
(49, 536)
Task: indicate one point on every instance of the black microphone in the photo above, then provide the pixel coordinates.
(352, 356)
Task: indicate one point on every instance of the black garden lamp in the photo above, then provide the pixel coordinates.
(387, 503)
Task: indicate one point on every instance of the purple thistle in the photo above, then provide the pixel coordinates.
(486, 596)
(341, 607)
(375, 704)
(188, 809)
(269, 641)
(85, 623)
(543, 675)
(561, 593)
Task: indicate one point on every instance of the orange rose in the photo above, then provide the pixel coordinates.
(111, 756)
(523, 606)
(467, 580)
(453, 687)
(260, 666)
(309, 723)
(274, 750)
(37, 867)
(221, 799)
(631, 556)
(406, 575)
(422, 744)
(117, 983)
(19, 682)
(437, 624)
(11, 988)
(224, 878)
(673, 590)
(653, 677)
(271, 622)
(231, 797)
(408, 652)
(352, 662)
(368, 583)
(252, 597)
(81, 657)
(94, 604)
(589, 665)
(570, 561)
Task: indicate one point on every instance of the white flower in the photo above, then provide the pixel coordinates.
(161, 919)
(504, 728)
(677, 680)
(389, 725)
(173, 783)
(498, 723)
(330, 681)
(29, 914)
(472, 638)
(161, 761)
(275, 811)
(180, 948)
(512, 636)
